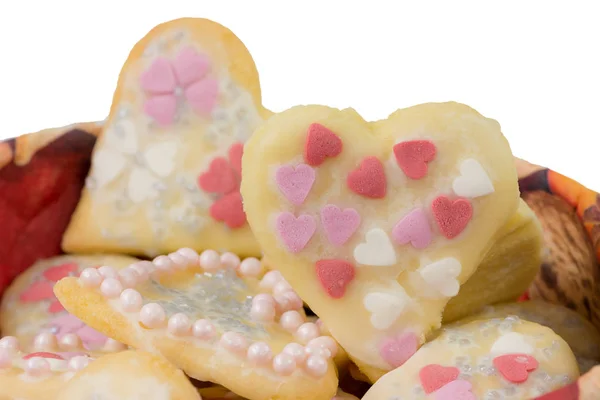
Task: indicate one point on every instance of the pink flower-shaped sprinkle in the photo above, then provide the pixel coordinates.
(186, 76)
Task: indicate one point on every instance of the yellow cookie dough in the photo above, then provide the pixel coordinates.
(506, 271)
(423, 228)
(474, 361)
(165, 171)
(131, 375)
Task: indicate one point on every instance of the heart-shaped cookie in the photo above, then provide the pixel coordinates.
(407, 232)
(166, 171)
(459, 364)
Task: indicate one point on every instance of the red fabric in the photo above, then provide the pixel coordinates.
(37, 202)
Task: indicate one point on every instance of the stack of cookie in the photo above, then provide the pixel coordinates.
(219, 250)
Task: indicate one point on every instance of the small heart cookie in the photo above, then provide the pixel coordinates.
(377, 198)
(215, 317)
(134, 375)
(166, 170)
(459, 363)
(31, 312)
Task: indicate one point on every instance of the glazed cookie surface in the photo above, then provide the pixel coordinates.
(166, 171)
(31, 312)
(581, 336)
(217, 318)
(487, 359)
(38, 375)
(131, 375)
(377, 225)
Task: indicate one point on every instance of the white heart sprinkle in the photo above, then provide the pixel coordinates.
(385, 308)
(108, 164)
(511, 343)
(160, 158)
(377, 250)
(473, 180)
(122, 136)
(441, 276)
(141, 185)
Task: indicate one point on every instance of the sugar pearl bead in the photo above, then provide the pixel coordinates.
(295, 350)
(5, 358)
(107, 272)
(131, 300)
(284, 364)
(144, 268)
(230, 260)
(90, 277)
(210, 260)
(153, 315)
(324, 342)
(281, 287)
(317, 351)
(291, 320)
(203, 329)
(251, 267)
(234, 342)
(78, 363)
(45, 341)
(179, 324)
(70, 341)
(179, 261)
(316, 366)
(163, 263)
(259, 353)
(263, 298)
(37, 366)
(262, 310)
(112, 346)
(190, 255)
(270, 279)
(129, 277)
(288, 301)
(307, 332)
(111, 288)
(9, 343)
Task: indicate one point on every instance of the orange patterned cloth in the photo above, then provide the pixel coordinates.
(585, 201)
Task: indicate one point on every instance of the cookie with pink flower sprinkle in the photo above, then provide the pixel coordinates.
(166, 170)
(31, 312)
(216, 317)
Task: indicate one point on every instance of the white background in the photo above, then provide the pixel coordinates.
(532, 65)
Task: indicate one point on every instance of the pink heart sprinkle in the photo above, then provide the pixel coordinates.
(295, 232)
(162, 108)
(159, 77)
(396, 351)
(190, 66)
(413, 228)
(339, 225)
(202, 95)
(295, 183)
(455, 390)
